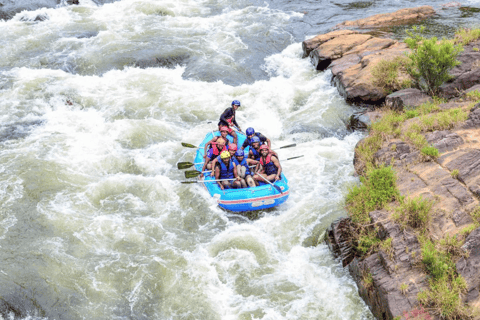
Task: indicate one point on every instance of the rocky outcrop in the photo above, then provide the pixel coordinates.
(394, 279)
(406, 98)
(468, 266)
(465, 75)
(351, 56)
(400, 17)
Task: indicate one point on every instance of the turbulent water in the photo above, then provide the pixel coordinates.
(94, 102)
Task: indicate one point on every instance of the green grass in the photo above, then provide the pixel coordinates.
(377, 189)
(445, 285)
(413, 212)
(454, 173)
(387, 74)
(430, 151)
(465, 36)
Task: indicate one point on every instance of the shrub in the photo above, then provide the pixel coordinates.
(430, 151)
(430, 60)
(404, 288)
(387, 74)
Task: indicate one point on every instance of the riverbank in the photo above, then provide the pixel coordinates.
(411, 237)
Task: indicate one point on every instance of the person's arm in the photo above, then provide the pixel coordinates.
(217, 177)
(207, 144)
(235, 173)
(277, 164)
(245, 144)
(234, 121)
(251, 162)
(207, 160)
(264, 139)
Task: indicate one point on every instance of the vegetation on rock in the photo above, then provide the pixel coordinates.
(430, 60)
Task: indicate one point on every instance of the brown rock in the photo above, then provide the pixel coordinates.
(444, 140)
(465, 75)
(473, 120)
(406, 98)
(400, 17)
(336, 48)
(389, 271)
(355, 82)
(313, 43)
(468, 267)
(339, 240)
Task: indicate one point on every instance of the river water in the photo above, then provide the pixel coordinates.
(95, 223)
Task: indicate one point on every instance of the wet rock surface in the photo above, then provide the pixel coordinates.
(400, 17)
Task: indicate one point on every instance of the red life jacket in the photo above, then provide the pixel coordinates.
(215, 150)
(270, 167)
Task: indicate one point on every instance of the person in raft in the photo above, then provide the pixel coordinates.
(227, 119)
(254, 152)
(210, 144)
(227, 170)
(268, 167)
(217, 148)
(232, 148)
(250, 134)
(243, 169)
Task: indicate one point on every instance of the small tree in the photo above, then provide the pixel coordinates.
(430, 60)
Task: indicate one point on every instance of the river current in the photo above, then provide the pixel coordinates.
(95, 100)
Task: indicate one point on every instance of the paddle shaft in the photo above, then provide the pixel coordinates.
(205, 181)
(276, 187)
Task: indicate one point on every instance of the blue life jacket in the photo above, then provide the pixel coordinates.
(226, 173)
(243, 163)
(270, 167)
(256, 154)
(248, 141)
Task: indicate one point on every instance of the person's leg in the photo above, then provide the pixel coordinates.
(243, 183)
(241, 171)
(236, 184)
(234, 135)
(249, 180)
(226, 184)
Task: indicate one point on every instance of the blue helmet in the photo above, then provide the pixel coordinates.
(239, 153)
(236, 102)
(255, 139)
(250, 131)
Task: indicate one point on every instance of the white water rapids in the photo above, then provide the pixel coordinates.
(95, 223)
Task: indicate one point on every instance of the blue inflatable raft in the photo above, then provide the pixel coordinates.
(246, 199)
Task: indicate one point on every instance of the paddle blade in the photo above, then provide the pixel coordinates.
(192, 174)
(289, 146)
(188, 145)
(295, 157)
(188, 182)
(278, 188)
(184, 165)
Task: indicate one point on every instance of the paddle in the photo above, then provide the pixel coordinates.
(294, 157)
(288, 146)
(185, 165)
(202, 181)
(195, 173)
(275, 186)
(188, 145)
